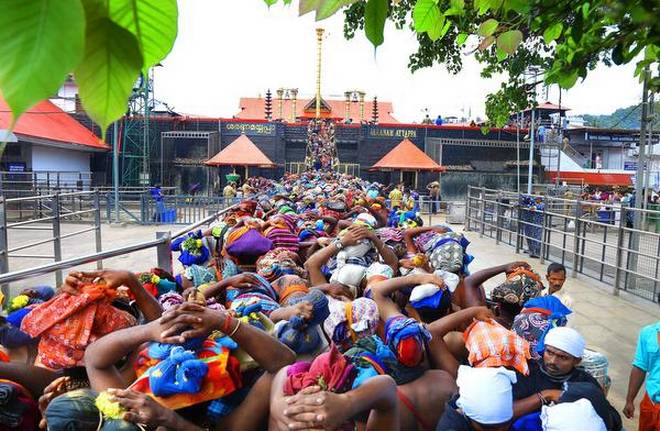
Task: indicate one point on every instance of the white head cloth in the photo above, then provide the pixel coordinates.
(576, 416)
(485, 394)
(566, 339)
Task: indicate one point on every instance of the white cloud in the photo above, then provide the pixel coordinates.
(233, 48)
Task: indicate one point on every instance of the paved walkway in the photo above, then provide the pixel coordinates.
(609, 323)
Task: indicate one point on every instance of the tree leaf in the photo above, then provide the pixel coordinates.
(509, 41)
(456, 7)
(375, 14)
(553, 32)
(425, 15)
(306, 6)
(445, 29)
(567, 80)
(40, 42)
(154, 24)
(461, 39)
(111, 63)
(488, 27)
(436, 30)
(501, 55)
(486, 42)
(270, 2)
(327, 8)
(520, 6)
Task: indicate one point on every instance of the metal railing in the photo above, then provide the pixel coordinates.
(614, 244)
(161, 243)
(48, 212)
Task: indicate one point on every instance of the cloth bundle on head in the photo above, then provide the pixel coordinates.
(520, 286)
(68, 324)
(288, 287)
(485, 394)
(492, 345)
(245, 245)
(18, 410)
(283, 233)
(447, 252)
(450, 279)
(330, 370)
(199, 275)
(301, 335)
(407, 338)
(377, 272)
(372, 352)
(576, 416)
(351, 320)
(567, 340)
(537, 318)
(429, 296)
(278, 262)
(178, 381)
(350, 275)
(366, 220)
(192, 248)
(574, 391)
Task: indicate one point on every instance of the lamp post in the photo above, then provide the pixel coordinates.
(534, 72)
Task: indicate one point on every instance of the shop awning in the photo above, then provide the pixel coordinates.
(241, 152)
(594, 178)
(406, 157)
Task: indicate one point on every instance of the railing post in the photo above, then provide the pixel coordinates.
(543, 232)
(482, 210)
(497, 220)
(57, 241)
(108, 210)
(143, 208)
(619, 246)
(163, 251)
(467, 209)
(4, 247)
(518, 225)
(97, 227)
(576, 238)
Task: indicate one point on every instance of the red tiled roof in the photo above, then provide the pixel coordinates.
(48, 122)
(593, 178)
(252, 108)
(407, 156)
(241, 152)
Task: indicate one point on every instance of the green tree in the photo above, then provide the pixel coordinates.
(566, 39)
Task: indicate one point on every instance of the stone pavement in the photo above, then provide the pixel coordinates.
(610, 324)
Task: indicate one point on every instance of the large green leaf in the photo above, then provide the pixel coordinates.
(375, 14)
(109, 68)
(488, 27)
(426, 15)
(306, 6)
(270, 2)
(40, 42)
(461, 39)
(553, 32)
(327, 8)
(153, 22)
(509, 41)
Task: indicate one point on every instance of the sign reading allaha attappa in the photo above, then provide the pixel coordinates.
(250, 129)
(380, 132)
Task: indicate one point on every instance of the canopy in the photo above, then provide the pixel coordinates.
(593, 178)
(241, 152)
(406, 156)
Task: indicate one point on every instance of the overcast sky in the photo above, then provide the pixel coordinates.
(232, 48)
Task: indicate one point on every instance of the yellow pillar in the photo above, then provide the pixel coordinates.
(294, 100)
(347, 115)
(319, 46)
(361, 94)
(280, 93)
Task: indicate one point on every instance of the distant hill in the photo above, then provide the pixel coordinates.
(623, 118)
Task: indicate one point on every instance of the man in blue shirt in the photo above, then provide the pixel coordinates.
(646, 365)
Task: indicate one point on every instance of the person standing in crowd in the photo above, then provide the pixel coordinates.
(533, 226)
(229, 193)
(434, 195)
(646, 366)
(556, 277)
(396, 196)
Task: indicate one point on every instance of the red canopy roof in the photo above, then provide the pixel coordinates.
(406, 156)
(252, 108)
(241, 152)
(593, 178)
(549, 107)
(48, 122)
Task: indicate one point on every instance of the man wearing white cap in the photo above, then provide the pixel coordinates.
(564, 348)
(484, 401)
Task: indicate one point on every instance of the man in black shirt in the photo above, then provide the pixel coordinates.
(548, 377)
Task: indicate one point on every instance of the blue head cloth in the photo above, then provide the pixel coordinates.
(165, 285)
(558, 312)
(16, 317)
(432, 301)
(363, 374)
(45, 293)
(300, 335)
(180, 373)
(162, 351)
(400, 327)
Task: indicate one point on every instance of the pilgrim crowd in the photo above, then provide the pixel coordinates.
(312, 306)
